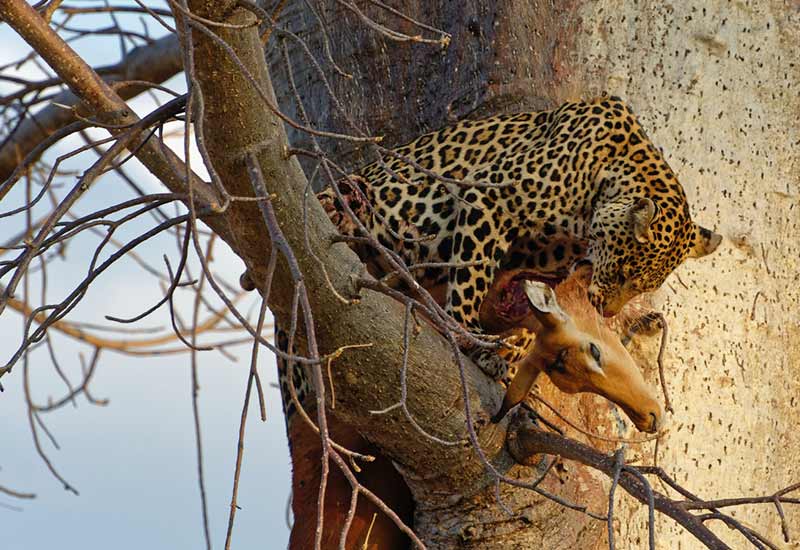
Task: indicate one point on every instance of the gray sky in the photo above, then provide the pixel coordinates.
(133, 461)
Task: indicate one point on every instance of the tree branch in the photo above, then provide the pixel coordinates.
(99, 98)
(153, 63)
(527, 440)
(15, 494)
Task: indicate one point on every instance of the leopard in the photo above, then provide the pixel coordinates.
(539, 194)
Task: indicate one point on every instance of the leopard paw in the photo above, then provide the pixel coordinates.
(492, 364)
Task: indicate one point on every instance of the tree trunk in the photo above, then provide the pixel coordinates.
(716, 85)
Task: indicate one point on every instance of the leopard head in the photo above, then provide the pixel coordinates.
(635, 243)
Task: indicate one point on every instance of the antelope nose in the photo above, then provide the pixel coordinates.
(655, 423)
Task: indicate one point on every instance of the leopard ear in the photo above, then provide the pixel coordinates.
(641, 215)
(704, 241)
(543, 302)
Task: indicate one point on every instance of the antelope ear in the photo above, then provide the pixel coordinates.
(544, 304)
(704, 242)
(641, 215)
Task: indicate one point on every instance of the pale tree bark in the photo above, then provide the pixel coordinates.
(717, 84)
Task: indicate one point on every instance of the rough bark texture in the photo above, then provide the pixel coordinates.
(716, 84)
(503, 56)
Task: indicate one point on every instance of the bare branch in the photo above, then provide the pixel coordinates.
(16, 494)
(527, 440)
(108, 107)
(154, 63)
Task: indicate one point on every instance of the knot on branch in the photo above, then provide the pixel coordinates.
(246, 281)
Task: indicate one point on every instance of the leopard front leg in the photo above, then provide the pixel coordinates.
(477, 253)
(489, 361)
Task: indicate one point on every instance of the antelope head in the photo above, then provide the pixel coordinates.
(579, 353)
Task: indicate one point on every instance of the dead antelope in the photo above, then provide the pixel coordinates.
(567, 339)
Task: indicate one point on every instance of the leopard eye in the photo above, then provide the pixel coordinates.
(595, 352)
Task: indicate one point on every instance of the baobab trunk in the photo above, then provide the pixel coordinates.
(717, 85)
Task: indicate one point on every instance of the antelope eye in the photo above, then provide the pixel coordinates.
(595, 351)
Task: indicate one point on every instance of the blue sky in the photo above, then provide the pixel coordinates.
(134, 460)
